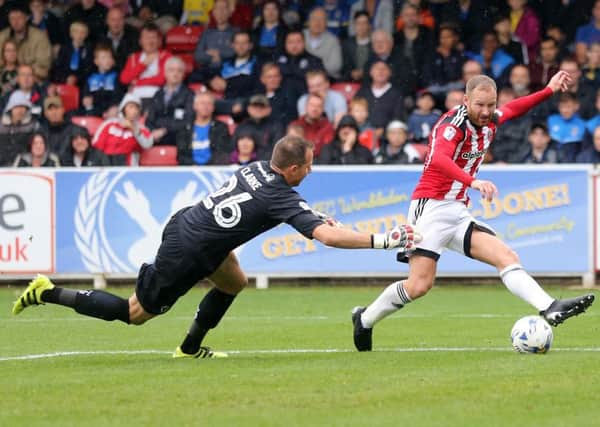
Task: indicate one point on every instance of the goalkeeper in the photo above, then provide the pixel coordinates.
(198, 243)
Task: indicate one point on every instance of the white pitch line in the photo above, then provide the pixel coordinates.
(289, 351)
(291, 318)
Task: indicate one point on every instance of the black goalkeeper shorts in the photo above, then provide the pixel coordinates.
(174, 272)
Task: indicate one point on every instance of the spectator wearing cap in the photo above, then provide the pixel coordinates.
(16, 127)
(318, 84)
(172, 107)
(38, 154)
(206, 140)
(122, 38)
(345, 149)
(264, 128)
(322, 43)
(541, 148)
(295, 62)
(282, 100)
(57, 127)
(422, 119)
(394, 148)
(80, 152)
(92, 13)
(33, 47)
(144, 70)
(245, 149)
(385, 101)
(317, 128)
(122, 139)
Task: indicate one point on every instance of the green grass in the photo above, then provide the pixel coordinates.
(482, 383)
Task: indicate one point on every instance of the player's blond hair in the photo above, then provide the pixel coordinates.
(479, 81)
(290, 150)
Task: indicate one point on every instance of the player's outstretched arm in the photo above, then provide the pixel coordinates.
(517, 107)
(401, 236)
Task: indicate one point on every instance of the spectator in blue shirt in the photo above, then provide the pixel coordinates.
(588, 34)
(567, 128)
(269, 35)
(102, 90)
(495, 61)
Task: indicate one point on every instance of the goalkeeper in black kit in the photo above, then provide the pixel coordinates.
(199, 240)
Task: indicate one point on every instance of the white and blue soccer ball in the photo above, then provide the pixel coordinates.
(532, 334)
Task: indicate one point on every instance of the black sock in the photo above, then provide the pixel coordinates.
(211, 310)
(98, 304)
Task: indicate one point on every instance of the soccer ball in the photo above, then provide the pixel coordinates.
(531, 334)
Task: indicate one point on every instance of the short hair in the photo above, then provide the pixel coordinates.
(175, 60)
(267, 66)
(315, 73)
(359, 100)
(567, 97)
(479, 81)
(294, 30)
(103, 47)
(290, 150)
(360, 13)
(151, 27)
(242, 32)
(80, 24)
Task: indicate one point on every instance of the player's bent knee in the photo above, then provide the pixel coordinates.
(418, 287)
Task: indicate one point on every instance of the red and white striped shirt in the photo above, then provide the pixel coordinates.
(457, 148)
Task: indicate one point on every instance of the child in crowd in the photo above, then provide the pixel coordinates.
(124, 138)
(394, 148)
(102, 91)
(541, 147)
(74, 62)
(567, 128)
(422, 119)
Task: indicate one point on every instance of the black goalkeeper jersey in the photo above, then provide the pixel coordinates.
(254, 200)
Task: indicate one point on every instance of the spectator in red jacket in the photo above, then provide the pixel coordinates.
(317, 128)
(124, 138)
(145, 70)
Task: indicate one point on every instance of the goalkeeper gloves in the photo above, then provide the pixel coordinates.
(402, 236)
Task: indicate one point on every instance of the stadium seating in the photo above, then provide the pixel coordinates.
(228, 120)
(91, 123)
(69, 95)
(188, 60)
(197, 87)
(420, 149)
(161, 155)
(348, 89)
(183, 38)
(369, 139)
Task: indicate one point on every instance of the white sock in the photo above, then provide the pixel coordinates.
(392, 299)
(520, 283)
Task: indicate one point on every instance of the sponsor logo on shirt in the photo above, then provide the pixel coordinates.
(472, 155)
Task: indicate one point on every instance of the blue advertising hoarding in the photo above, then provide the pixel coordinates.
(111, 220)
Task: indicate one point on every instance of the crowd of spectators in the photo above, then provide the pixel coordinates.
(102, 83)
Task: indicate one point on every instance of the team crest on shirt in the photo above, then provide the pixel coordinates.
(449, 133)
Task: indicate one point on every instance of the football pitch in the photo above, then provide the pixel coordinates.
(444, 360)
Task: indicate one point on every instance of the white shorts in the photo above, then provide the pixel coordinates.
(444, 224)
